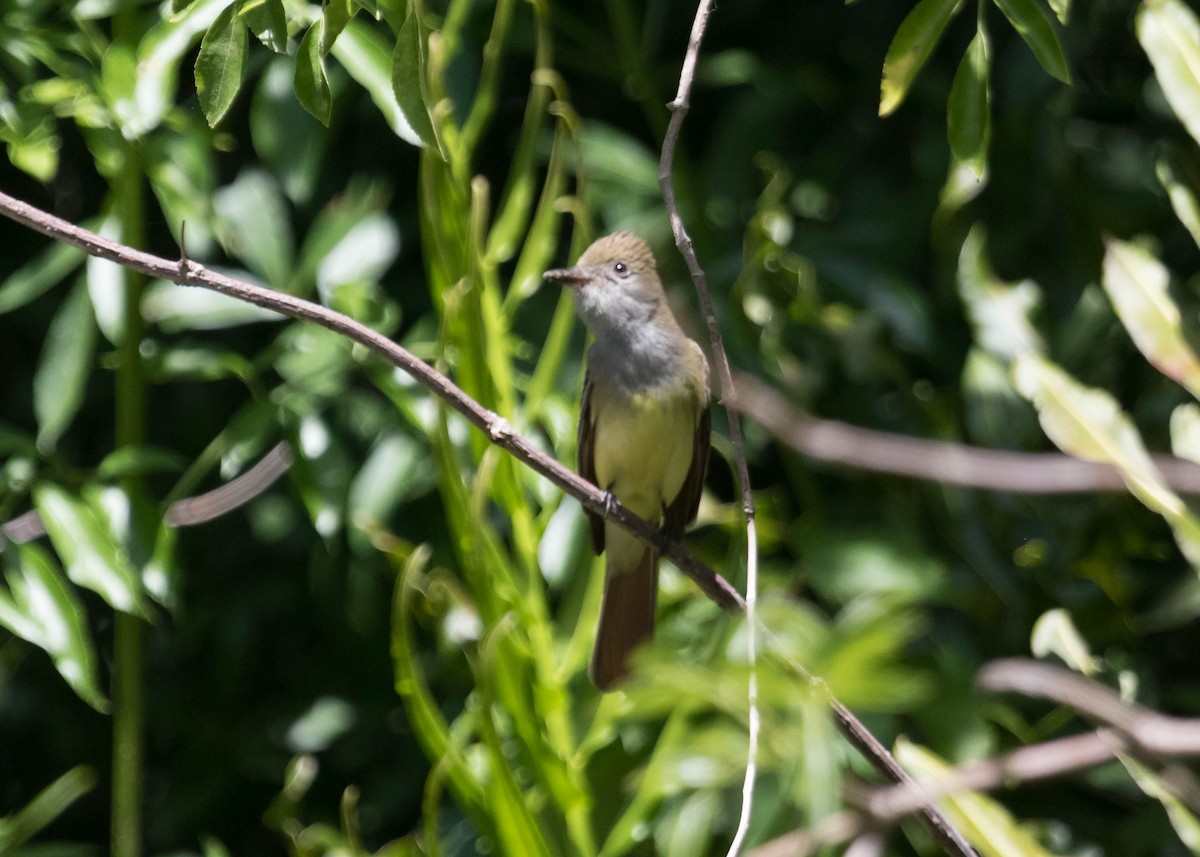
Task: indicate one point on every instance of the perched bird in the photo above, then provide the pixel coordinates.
(644, 428)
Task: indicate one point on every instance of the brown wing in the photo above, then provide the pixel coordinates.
(682, 510)
(587, 464)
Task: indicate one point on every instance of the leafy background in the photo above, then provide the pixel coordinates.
(385, 653)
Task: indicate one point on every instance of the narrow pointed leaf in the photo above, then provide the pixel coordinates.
(39, 275)
(267, 20)
(1181, 180)
(41, 607)
(221, 64)
(1000, 313)
(983, 821)
(1136, 283)
(914, 41)
(408, 80)
(368, 59)
(312, 85)
(968, 114)
(1028, 19)
(64, 367)
(1088, 423)
(1170, 34)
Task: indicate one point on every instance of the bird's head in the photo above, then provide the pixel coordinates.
(615, 282)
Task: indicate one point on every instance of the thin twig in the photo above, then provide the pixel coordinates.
(938, 461)
(189, 511)
(1129, 729)
(679, 109)
(493, 425)
(1146, 730)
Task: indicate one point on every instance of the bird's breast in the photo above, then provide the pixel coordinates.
(643, 445)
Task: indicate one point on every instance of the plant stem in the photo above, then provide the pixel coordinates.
(128, 194)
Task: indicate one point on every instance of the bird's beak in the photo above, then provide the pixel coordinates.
(567, 276)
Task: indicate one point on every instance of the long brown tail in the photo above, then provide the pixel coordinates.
(626, 618)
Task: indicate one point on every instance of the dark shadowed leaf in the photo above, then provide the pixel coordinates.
(1029, 19)
(64, 367)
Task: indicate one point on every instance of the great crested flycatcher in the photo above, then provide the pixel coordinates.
(643, 430)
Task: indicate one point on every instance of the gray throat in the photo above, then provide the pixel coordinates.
(640, 357)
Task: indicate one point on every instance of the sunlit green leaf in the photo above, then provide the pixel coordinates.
(312, 85)
(1054, 633)
(408, 82)
(64, 367)
(337, 14)
(221, 64)
(968, 114)
(1029, 19)
(1185, 431)
(1088, 423)
(1136, 283)
(1170, 34)
(983, 821)
(47, 805)
(174, 308)
(92, 556)
(254, 225)
(1157, 786)
(1000, 313)
(1179, 177)
(914, 41)
(142, 92)
(268, 21)
(286, 136)
(40, 607)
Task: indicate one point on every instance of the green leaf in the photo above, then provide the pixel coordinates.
(408, 81)
(1179, 177)
(968, 114)
(141, 92)
(92, 556)
(1136, 283)
(1089, 424)
(1028, 19)
(984, 822)
(63, 369)
(174, 308)
(39, 275)
(366, 56)
(1055, 634)
(221, 64)
(337, 14)
(267, 20)
(253, 224)
(40, 607)
(312, 85)
(1183, 820)
(1170, 34)
(1001, 313)
(428, 724)
(914, 41)
(21, 826)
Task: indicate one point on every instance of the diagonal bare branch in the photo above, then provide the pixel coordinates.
(493, 425)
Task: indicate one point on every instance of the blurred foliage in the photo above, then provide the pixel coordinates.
(385, 653)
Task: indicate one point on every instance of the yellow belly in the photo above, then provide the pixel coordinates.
(643, 447)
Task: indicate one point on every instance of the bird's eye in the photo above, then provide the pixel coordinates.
(621, 268)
